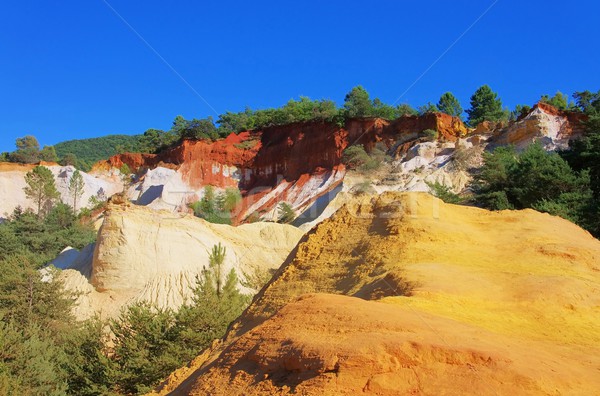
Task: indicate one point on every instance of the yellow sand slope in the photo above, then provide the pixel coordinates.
(462, 301)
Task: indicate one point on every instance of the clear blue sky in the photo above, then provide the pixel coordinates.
(72, 69)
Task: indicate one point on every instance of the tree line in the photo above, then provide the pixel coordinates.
(485, 105)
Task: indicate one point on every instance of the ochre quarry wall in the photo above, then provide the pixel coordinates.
(264, 158)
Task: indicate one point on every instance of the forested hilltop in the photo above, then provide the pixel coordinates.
(87, 152)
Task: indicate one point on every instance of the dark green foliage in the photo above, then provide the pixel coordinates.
(406, 109)
(534, 179)
(303, 110)
(155, 140)
(48, 154)
(41, 189)
(42, 239)
(584, 153)
(355, 156)
(200, 129)
(357, 103)
(559, 100)
(485, 106)
(27, 152)
(587, 102)
(444, 193)
(125, 170)
(69, 159)
(89, 151)
(145, 348)
(36, 325)
(430, 134)
(519, 112)
(217, 208)
(286, 213)
(449, 104)
(150, 342)
(427, 108)
(76, 188)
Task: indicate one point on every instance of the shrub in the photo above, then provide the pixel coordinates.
(286, 213)
(355, 156)
(430, 135)
(444, 193)
(534, 179)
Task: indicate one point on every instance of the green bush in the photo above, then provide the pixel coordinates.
(286, 213)
(534, 179)
(430, 135)
(444, 193)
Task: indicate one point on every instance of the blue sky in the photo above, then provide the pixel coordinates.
(73, 69)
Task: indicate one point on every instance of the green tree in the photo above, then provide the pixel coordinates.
(519, 112)
(48, 154)
(357, 103)
(69, 159)
(485, 106)
(355, 156)
(145, 348)
(449, 104)
(286, 213)
(200, 129)
(41, 188)
(427, 108)
(76, 188)
(405, 109)
(28, 150)
(179, 125)
(559, 100)
(212, 308)
(216, 259)
(533, 179)
(444, 193)
(383, 110)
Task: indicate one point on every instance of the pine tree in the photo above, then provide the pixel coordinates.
(449, 104)
(41, 188)
(48, 154)
(216, 259)
(485, 106)
(28, 150)
(357, 103)
(286, 213)
(76, 186)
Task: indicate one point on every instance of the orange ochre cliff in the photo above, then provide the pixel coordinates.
(259, 161)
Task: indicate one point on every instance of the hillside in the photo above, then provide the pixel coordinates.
(403, 294)
(154, 256)
(90, 151)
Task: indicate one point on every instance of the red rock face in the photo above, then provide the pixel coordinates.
(256, 162)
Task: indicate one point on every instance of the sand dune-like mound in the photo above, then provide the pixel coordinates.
(403, 294)
(155, 256)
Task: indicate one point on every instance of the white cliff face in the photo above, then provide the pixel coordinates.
(12, 183)
(155, 256)
(544, 124)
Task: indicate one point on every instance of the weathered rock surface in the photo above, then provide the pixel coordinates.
(544, 124)
(296, 163)
(12, 182)
(155, 256)
(429, 298)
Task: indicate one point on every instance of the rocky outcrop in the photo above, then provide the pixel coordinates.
(545, 124)
(155, 256)
(296, 163)
(12, 183)
(403, 294)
